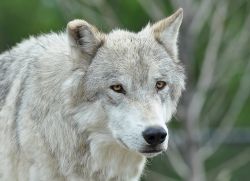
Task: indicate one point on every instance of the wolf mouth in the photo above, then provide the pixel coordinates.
(151, 151)
(144, 151)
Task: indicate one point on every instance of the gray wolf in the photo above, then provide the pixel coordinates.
(85, 105)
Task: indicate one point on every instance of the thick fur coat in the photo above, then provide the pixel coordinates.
(74, 106)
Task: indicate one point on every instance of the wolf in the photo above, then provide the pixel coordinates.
(83, 105)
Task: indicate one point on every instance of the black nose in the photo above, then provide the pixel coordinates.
(154, 135)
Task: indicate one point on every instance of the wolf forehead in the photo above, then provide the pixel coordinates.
(134, 46)
(136, 54)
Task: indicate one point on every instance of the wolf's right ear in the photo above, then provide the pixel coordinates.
(84, 39)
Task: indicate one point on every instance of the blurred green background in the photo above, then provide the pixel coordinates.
(210, 133)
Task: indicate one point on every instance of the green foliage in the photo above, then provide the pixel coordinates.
(21, 18)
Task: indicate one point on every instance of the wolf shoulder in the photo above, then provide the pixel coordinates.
(42, 58)
(47, 47)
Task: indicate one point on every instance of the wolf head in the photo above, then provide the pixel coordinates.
(134, 78)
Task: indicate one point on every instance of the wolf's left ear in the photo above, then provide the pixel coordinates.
(166, 32)
(84, 39)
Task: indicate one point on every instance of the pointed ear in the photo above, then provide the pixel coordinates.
(84, 39)
(166, 32)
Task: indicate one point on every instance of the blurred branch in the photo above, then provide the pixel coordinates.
(237, 46)
(177, 161)
(106, 11)
(232, 52)
(152, 9)
(94, 11)
(200, 17)
(233, 164)
(227, 122)
(152, 175)
(209, 64)
(216, 102)
(199, 96)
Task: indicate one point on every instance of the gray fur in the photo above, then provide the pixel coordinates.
(59, 119)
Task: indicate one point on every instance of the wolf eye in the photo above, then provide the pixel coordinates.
(160, 85)
(118, 88)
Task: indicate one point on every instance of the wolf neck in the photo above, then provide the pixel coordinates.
(113, 162)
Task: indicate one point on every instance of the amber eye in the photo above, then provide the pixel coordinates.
(160, 85)
(118, 88)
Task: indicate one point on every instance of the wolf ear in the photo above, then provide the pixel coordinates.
(166, 32)
(84, 38)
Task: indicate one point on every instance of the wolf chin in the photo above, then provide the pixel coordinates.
(85, 105)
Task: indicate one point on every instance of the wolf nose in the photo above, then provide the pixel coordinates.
(154, 135)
